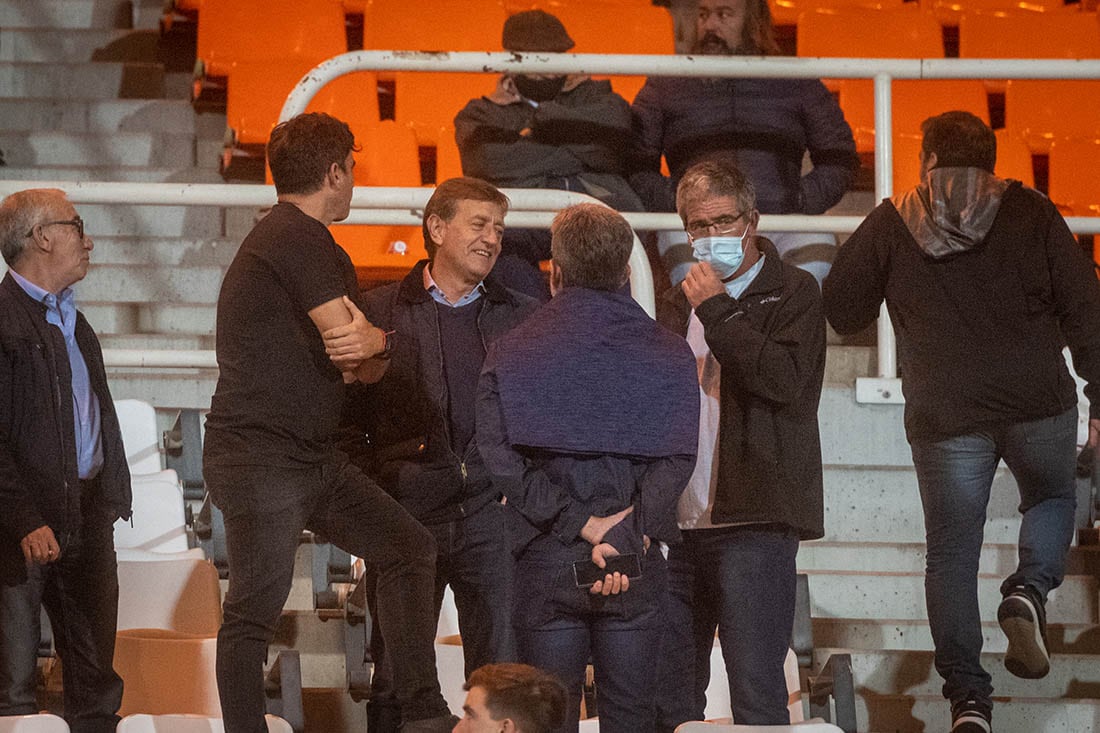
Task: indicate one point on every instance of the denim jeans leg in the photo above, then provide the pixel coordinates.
(1041, 456)
(955, 476)
(691, 617)
(367, 522)
(755, 569)
(81, 598)
(562, 651)
(20, 631)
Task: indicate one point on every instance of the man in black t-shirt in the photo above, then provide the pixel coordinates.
(289, 336)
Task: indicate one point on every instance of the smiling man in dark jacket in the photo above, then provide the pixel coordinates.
(984, 284)
(756, 327)
(63, 474)
(419, 419)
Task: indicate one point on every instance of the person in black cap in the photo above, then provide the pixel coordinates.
(545, 131)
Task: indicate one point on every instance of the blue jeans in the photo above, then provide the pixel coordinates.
(559, 626)
(742, 581)
(266, 509)
(80, 594)
(955, 476)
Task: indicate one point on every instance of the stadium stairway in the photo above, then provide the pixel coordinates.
(86, 93)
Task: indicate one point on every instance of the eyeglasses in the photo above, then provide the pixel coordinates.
(76, 221)
(719, 227)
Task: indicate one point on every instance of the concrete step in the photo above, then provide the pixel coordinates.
(839, 594)
(860, 435)
(176, 116)
(66, 14)
(150, 318)
(151, 284)
(914, 635)
(872, 503)
(908, 557)
(156, 341)
(154, 221)
(932, 714)
(121, 174)
(1072, 676)
(29, 149)
(75, 45)
(170, 252)
(99, 80)
(165, 388)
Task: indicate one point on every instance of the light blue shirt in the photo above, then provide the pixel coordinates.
(737, 286)
(61, 312)
(439, 297)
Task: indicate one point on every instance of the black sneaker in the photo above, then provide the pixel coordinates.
(1024, 621)
(971, 716)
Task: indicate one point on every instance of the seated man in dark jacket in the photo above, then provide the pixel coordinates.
(587, 419)
(419, 418)
(534, 131)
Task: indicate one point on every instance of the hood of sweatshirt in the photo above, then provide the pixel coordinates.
(952, 210)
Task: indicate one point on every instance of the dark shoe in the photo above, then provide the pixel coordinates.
(438, 724)
(1024, 621)
(971, 716)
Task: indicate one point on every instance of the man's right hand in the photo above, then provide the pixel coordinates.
(505, 92)
(595, 528)
(40, 546)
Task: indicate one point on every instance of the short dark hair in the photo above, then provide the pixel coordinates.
(447, 195)
(591, 245)
(301, 150)
(534, 699)
(714, 177)
(959, 139)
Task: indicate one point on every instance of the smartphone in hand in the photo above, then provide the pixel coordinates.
(587, 572)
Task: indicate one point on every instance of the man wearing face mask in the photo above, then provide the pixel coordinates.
(767, 125)
(756, 327)
(536, 131)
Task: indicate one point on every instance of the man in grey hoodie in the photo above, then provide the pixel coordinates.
(984, 284)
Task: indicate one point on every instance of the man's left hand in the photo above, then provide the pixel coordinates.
(40, 546)
(353, 343)
(613, 583)
(702, 282)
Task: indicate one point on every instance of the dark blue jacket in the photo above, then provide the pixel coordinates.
(402, 425)
(767, 124)
(39, 483)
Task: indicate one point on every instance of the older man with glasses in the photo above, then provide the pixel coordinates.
(63, 474)
(756, 327)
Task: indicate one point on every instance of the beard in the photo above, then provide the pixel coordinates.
(712, 45)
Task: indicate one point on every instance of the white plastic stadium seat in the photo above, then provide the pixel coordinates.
(188, 724)
(174, 595)
(159, 523)
(167, 672)
(138, 421)
(718, 691)
(42, 723)
(810, 726)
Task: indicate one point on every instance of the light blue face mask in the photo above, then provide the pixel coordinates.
(724, 253)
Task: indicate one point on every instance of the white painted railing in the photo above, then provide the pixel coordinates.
(533, 208)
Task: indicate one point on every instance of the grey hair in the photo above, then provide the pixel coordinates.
(20, 212)
(716, 177)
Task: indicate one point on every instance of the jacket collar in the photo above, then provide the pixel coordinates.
(769, 278)
(412, 289)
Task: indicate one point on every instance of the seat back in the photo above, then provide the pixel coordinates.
(1042, 110)
(698, 726)
(138, 422)
(913, 101)
(904, 31)
(178, 595)
(142, 723)
(232, 31)
(433, 25)
(159, 522)
(167, 672)
(1074, 165)
(427, 102)
(448, 161)
(41, 723)
(1030, 35)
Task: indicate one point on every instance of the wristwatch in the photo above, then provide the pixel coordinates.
(387, 344)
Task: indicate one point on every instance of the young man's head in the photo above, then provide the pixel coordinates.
(957, 140)
(310, 154)
(43, 239)
(463, 226)
(590, 247)
(728, 27)
(512, 698)
(533, 31)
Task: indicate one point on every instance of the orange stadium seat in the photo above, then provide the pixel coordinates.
(1042, 110)
(389, 157)
(914, 100)
(611, 26)
(448, 162)
(1013, 160)
(255, 96)
(1030, 35)
(786, 12)
(433, 25)
(232, 31)
(428, 102)
(1074, 167)
(948, 12)
(351, 97)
